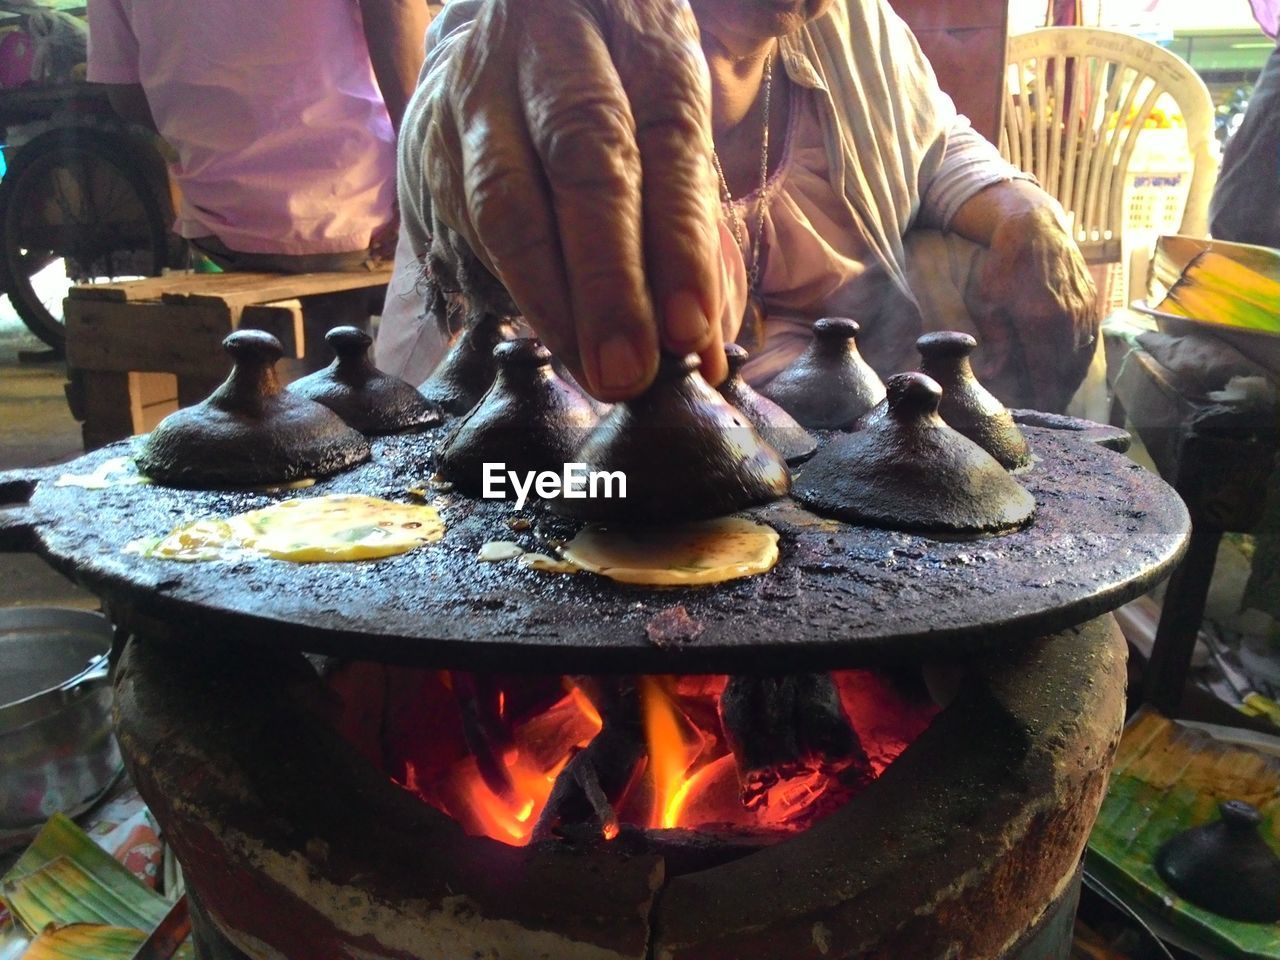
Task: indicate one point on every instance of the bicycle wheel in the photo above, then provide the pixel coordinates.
(78, 206)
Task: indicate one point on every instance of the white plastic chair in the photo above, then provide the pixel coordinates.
(1076, 101)
(1106, 84)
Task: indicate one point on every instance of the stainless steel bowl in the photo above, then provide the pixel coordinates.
(57, 749)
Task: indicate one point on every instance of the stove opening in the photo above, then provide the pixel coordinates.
(521, 759)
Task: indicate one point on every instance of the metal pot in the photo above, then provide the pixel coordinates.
(57, 749)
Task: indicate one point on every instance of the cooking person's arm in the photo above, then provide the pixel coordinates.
(450, 26)
(523, 149)
(1035, 302)
(394, 31)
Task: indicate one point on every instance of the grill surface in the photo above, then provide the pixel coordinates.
(840, 596)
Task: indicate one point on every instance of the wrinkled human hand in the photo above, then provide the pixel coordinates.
(1036, 306)
(571, 154)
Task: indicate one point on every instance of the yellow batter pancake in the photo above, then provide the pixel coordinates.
(311, 530)
(710, 551)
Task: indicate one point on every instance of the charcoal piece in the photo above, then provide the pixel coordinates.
(775, 426)
(486, 732)
(594, 783)
(967, 406)
(529, 420)
(467, 369)
(682, 850)
(778, 727)
(373, 402)
(686, 455)
(1225, 866)
(250, 431)
(829, 386)
(905, 469)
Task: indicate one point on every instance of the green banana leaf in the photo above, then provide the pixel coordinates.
(1167, 779)
(64, 878)
(63, 891)
(90, 941)
(1216, 283)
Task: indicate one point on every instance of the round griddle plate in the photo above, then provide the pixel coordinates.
(840, 595)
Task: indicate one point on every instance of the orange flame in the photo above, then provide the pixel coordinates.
(584, 704)
(670, 756)
(692, 775)
(543, 746)
(675, 809)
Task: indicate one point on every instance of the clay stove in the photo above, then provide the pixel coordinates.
(297, 842)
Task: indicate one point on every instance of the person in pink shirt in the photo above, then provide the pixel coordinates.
(282, 115)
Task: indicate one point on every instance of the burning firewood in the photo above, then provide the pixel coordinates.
(598, 778)
(486, 730)
(779, 727)
(682, 851)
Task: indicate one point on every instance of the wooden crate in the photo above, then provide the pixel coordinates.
(136, 351)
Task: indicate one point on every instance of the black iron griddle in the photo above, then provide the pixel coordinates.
(840, 596)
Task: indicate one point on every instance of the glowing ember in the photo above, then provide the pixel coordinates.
(543, 745)
(686, 778)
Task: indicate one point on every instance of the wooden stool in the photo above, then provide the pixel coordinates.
(136, 351)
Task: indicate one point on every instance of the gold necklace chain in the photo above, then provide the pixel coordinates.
(753, 269)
